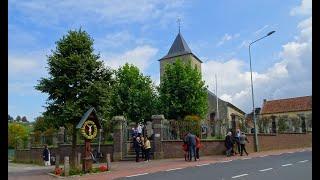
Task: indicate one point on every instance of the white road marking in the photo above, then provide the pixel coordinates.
(173, 169)
(265, 169)
(303, 161)
(137, 175)
(202, 165)
(286, 165)
(226, 161)
(246, 158)
(239, 176)
(263, 156)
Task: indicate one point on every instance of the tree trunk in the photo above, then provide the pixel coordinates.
(73, 148)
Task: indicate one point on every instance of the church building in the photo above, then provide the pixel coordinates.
(229, 116)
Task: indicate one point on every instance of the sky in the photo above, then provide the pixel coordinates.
(140, 32)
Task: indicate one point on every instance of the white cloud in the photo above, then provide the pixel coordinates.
(115, 40)
(107, 12)
(305, 8)
(22, 88)
(227, 37)
(141, 56)
(288, 77)
(26, 66)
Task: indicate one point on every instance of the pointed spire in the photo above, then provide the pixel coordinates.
(179, 21)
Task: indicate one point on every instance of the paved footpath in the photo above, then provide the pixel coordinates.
(131, 168)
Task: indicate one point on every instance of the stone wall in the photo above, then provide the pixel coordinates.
(34, 155)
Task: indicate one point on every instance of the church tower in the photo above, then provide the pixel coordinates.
(179, 50)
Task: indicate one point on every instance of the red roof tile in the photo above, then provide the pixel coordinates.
(287, 105)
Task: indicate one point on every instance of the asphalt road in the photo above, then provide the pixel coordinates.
(28, 172)
(293, 166)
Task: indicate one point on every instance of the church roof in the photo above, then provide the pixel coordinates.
(178, 48)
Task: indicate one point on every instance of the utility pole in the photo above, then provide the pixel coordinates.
(217, 97)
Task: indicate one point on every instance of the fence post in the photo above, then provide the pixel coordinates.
(108, 162)
(57, 160)
(66, 166)
(157, 130)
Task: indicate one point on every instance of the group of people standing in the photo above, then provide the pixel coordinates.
(239, 140)
(191, 146)
(141, 144)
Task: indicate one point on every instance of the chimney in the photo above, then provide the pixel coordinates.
(264, 100)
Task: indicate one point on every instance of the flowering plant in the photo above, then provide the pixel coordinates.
(103, 168)
(58, 171)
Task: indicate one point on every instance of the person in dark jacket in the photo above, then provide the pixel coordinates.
(191, 140)
(137, 147)
(46, 156)
(228, 143)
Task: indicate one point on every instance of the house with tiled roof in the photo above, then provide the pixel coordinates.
(287, 115)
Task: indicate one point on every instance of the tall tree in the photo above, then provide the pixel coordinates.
(18, 118)
(182, 92)
(24, 119)
(77, 81)
(133, 94)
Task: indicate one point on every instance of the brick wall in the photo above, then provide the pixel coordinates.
(34, 155)
(280, 141)
(173, 149)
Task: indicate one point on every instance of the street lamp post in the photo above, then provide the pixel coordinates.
(256, 147)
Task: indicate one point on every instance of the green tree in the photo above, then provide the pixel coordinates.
(10, 118)
(133, 94)
(18, 118)
(77, 81)
(18, 135)
(182, 92)
(40, 124)
(24, 119)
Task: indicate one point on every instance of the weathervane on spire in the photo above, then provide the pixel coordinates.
(179, 21)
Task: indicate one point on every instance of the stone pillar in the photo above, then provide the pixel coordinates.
(66, 166)
(61, 135)
(57, 160)
(118, 137)
(108, 161)
(157, 130)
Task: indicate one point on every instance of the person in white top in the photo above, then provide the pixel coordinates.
(139, 128)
